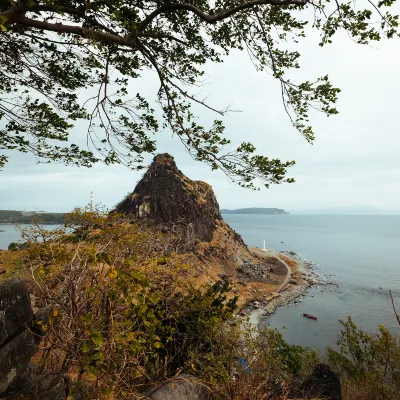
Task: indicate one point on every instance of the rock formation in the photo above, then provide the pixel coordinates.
(169, 199)
(188, 211)
(19, 341)
(182, 387)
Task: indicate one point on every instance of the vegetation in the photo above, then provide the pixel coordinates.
(67, 63)
(19, 217)
(125, 314)
(369, 364)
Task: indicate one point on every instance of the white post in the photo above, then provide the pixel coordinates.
(91, 202)
(264, 248)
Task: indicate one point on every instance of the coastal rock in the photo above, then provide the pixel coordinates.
(184, 387)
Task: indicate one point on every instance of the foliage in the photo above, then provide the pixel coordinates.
(67, 63)
(14, 246)
(124, 314)
(121, 318)
(250, 364)
(368, 362)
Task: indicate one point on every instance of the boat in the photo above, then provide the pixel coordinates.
(310, 316)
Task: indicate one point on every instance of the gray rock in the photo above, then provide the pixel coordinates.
(39, 386)
(184, 387)
(14, 358)
(15, 308)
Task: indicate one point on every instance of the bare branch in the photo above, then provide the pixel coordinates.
(210, 18)
(394, 308)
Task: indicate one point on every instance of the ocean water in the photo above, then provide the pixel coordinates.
(359, 253)
(12, 233)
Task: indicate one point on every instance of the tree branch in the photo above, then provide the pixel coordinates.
(86, 33)
(210, 18)
(394, 308)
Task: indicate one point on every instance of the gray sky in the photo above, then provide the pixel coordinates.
(353, 165)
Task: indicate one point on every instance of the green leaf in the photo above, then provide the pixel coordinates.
(97, 338)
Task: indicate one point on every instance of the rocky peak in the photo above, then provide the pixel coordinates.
(165, 196)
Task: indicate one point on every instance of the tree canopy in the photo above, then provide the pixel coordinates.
(68, 62)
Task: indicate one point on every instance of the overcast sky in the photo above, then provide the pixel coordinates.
(353, 164)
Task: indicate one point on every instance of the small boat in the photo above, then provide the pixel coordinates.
(310, 316)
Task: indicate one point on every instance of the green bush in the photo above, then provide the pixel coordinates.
(368, 362)
(122, 318)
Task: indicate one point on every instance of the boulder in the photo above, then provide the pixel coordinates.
(14, 358)
(15, 309)
(323, 383)
(19, 341)
(184, 387)
(36, 385)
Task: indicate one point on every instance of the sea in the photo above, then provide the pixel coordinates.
(359, 253)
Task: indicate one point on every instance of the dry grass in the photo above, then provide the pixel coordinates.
(9, 261)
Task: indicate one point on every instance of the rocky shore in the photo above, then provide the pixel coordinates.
(298, 282)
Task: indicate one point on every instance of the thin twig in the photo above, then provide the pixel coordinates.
(394, 308)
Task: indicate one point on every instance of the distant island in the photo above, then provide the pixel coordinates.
(255, 210)
(27, 217)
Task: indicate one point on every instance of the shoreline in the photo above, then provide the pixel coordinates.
(288, 293)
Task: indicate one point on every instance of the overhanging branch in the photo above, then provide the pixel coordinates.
(212, 18)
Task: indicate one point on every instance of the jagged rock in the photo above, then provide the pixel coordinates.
(168, 198)
(14, 358)
(184, 387)
(15, 309)
(19, 341)
(323, 383)
(38, 386)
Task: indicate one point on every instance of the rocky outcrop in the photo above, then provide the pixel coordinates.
(184, 387)
(19, 341)
(170, 200)
(323, 383)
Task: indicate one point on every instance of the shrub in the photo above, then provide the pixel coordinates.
(122, 317)
(248, 364)
(369, 364)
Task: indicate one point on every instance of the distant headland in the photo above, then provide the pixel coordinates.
(255, 210)
(27, 217)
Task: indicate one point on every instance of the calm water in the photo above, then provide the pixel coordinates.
(361, 252)
(12, 233)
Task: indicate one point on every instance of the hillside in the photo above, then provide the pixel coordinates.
(168, 201)
(255, 210)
